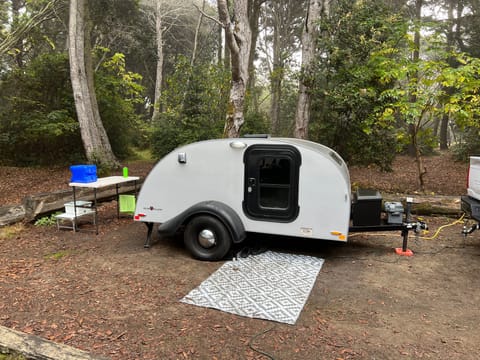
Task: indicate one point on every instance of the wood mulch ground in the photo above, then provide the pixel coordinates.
(108, 295)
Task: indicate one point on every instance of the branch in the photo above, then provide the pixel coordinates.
(44, 14)
(208, 16)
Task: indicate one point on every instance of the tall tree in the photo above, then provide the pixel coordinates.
(254, 10)
(310, 33)
(94, 137)
(284, 20)
(415, 124)
(159, 69)
(197, 34)
(238, 38)
(450, 33)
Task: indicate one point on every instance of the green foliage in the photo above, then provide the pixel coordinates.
(426, 140)
(347, 83)
(370, 93)
(468, 145)
(427, 89)
(37, 115)
(48, 220)
(255, 123)
(194, 106)
(118, 93)
(38, 123)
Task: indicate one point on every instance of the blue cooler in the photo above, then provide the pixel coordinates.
(83, 173)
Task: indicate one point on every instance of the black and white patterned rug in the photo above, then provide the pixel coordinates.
(271, 286)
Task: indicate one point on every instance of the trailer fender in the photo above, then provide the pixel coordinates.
(217, 209)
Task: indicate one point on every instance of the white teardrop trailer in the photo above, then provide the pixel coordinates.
(220, 190)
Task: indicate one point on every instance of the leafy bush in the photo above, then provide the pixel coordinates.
(118, 91)
(255, 123)
(426, 139)
(194, 107)
(37, 115)
(469, 144)
(347, 82)
(38, 123)
(48, 220)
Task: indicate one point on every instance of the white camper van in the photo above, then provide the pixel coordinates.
(220, 190)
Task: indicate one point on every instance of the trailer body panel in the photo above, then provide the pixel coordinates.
(228, 171)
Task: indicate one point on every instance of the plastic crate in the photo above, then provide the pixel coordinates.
(82, 207)
(83, 173)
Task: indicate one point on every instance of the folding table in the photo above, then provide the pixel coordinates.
(100, 183)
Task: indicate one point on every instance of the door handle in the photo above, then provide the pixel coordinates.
(251, 184)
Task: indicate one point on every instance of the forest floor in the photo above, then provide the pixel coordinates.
(108, 295)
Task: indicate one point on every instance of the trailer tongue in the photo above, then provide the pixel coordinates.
(367, 217)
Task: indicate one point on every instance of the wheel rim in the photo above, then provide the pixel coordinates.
(206, 238)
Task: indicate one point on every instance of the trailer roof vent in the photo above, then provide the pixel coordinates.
(336, 158)
(256, 136)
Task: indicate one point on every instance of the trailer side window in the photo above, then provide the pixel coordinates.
(271, 182)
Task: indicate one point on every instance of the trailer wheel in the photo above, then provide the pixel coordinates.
(207, 238)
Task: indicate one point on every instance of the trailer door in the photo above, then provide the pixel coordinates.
(271, 182)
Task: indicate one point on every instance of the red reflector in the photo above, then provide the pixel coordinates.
(138, 216)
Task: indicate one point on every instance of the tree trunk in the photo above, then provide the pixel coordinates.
(276, 76)
(310, 33)
(412, 129)
(421, 169)
(159, 70)
(254, 15)
(94, 137)
(238, 38)
(449, 91)
(197, 31)
(444, 132)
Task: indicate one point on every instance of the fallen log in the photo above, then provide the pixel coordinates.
(11, 214)
(36, 348)
(34, 206)
(431, 205)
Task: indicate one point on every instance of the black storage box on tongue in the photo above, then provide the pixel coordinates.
(367, 208)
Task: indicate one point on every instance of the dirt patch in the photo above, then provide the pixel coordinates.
(444, 176)
(107, 294)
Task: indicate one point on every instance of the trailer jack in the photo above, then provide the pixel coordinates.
(416, 227)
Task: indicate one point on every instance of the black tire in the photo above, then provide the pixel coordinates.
(207, 238)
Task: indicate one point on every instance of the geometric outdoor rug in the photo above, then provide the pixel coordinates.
(271, 286)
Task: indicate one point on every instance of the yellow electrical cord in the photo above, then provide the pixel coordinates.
(443, 227)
